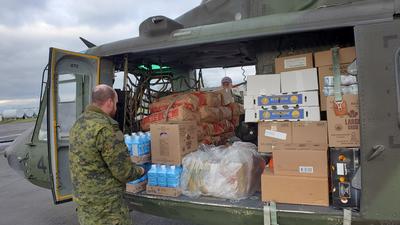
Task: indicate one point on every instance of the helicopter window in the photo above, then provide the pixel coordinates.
(43, 128)
(67, 90)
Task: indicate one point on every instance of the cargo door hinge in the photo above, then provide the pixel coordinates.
(270, 216)
(347, 217)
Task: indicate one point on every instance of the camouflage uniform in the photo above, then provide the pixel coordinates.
(100, 167)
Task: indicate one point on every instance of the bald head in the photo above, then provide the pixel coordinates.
(101, 93)
(104, 97)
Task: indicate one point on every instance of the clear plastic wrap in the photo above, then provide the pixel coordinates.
(352, 89)
(231, 172)
(352, 69)
(345, 80)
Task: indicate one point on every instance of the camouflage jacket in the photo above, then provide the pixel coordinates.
(99, 160)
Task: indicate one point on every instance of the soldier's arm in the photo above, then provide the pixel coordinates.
(115, 154)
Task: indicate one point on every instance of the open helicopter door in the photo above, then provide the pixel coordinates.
(72, 76)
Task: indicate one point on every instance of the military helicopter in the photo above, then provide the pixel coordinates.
(230, 33)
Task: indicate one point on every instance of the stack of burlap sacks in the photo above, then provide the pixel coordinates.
(216, 120)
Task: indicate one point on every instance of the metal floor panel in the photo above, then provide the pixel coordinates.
(253, 203)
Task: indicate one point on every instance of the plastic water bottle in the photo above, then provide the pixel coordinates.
(152, 175)
(128, 143)
(143, 143)
(162, 176)
(135, 140)
(148, 142)
(173, 176)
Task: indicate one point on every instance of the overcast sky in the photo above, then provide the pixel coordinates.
(29, 28)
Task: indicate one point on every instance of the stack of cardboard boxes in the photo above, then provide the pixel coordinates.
(288, 96)
(324, 63)
(139, 150)
(170, 142)
(300, 149)
(343, 132)
(299, 162)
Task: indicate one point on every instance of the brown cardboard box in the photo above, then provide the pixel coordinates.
(163, 191)
(324, 58)
(322, 73)
(170, 142)
(344, 130)
(307, 132)
(141, 159)
(301, 160)
(135, 188)
(271, 133)
(294, 62)
(294, 189)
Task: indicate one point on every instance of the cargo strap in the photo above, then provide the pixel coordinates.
(270, 217)
(346, 217)
(336, 75)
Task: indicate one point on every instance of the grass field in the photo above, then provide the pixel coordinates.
(17, 121)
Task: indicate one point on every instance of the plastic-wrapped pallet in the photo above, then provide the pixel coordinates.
(231, 172)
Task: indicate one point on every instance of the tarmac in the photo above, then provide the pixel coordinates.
(23, 203)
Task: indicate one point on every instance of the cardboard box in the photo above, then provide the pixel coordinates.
(308, 98)
(250, 116)
(324, 58)
(307, 132)
(249, 101)
(294, 189)
(170, 142)
(322, 73)
(344, 130)
(163, 191)
(301, 160)
(294, 62)
(272, 134)
(264, 84)
(299, 80)
(290, 114)
(141, 159)
(135, 188)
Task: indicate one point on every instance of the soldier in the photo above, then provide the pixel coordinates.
(226, 90)
(226, 82)
(99, 163)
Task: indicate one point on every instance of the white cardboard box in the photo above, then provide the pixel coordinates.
(299, 80)
(249, 102)
(281, 114)
(251, 116)
(302, 99)
(264, 84)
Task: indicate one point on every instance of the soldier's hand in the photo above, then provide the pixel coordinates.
(142, 170)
